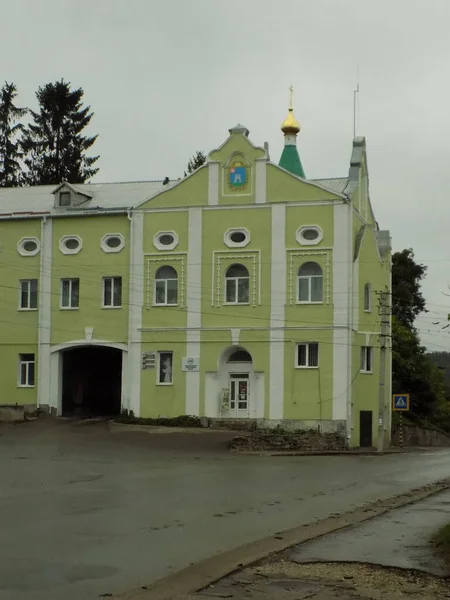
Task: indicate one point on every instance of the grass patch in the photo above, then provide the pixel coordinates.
(441, 541)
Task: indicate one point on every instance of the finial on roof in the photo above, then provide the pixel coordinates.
(290, 125)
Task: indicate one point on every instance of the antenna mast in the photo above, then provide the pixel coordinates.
(355, 103)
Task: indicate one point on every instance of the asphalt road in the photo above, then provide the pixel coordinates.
(85, 512)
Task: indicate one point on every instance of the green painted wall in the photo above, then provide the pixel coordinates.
(90, 265)
(284, 187)
(215, 224)
(191, 191)
(19, 329)
(308, 393)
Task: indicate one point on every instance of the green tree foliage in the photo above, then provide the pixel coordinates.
(407, 299)
(412, 370)
(10, 127)
(54, 145)
(195, 162)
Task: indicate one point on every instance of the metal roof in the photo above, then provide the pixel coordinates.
(105, 196)
(335, 184)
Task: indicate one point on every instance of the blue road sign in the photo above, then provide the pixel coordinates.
(400, 402)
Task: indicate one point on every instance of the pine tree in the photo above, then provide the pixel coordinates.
(54, 147)
(195, 162)
(10, 126)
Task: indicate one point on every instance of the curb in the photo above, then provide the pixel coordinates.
(201, 575)
(338, 452)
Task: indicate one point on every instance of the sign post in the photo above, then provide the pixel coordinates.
(400, 404)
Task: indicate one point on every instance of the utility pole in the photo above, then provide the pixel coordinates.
(382, 417)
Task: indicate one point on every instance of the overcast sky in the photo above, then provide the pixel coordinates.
(166, 78)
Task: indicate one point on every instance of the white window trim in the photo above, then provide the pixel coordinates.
(160, 246)
(71, 279)
(165, 294)
(27, 308)
(104, 245)
(310, 288)
(111, 306)
(367, 310)
(20, 246)
(304, 242)
(26, 362)
(60, 194)
(363, 370)
(307, 366)
(236, 302)
(158, 382)
(229, 242)
(65, 239)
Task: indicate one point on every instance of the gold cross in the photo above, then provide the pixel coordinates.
(291, 94)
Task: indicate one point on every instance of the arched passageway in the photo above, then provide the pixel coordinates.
(91, 381)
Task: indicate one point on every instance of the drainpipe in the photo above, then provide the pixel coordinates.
(349, 427)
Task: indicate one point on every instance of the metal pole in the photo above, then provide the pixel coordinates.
(382, 383)
(401, 430)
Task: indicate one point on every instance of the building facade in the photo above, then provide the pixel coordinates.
(243, 291)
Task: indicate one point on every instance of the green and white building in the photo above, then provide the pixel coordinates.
(243, 291)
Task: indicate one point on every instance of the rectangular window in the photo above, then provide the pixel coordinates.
(70, 293)
(307, 355)
(28, 294)
(366, 359)
(26, 370)
(64, 198)
(112, 292)
(165, 368)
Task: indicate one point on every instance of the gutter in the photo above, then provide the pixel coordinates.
(91, 212)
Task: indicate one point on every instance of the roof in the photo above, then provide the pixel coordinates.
(290, 161)
(104, 196)
(336, 184)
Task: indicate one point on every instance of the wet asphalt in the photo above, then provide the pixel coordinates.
(86, 512)
(400, 538)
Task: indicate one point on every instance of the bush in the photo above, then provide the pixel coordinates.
(181, 421)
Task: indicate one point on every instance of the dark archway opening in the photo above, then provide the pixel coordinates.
(92, 381)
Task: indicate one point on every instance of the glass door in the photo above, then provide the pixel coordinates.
(239, 394)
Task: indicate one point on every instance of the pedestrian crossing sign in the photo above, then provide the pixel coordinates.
(400, 402)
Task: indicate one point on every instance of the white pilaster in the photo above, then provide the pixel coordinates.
(213, 183)
(45, 313)
(277, 308)
(342, 303)
(261, 183)
(194, 307)
(136, 303)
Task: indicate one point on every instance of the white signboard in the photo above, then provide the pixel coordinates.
(190, 363)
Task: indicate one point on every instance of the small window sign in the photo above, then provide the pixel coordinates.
(148, 360)
(190, 363)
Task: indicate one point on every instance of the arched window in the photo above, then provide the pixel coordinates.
(240, 356)
(237, 285)
(368, 297)
(310, 283)
(166, 286)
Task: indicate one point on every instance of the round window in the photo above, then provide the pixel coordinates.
(113, 242)
(310, 234)
(72, 244)
(30, 246)
(237, 237)
(166, 239)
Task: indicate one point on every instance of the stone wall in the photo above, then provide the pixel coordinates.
(413, 435)
(283, 441)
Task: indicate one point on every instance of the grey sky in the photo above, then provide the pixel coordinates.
(167, 78)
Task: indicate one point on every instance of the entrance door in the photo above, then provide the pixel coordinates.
(365, 428)
(239, 395)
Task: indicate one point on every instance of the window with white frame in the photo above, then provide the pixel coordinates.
(26, 370)
(165, 368)
(28, 294)
(166, 286)
(310, 283)
(307, 356)
(70, 293)
(366, 359)
(237, 285)
(112, 292)
(367, 297)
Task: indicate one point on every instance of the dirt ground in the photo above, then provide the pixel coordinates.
(286, 580)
